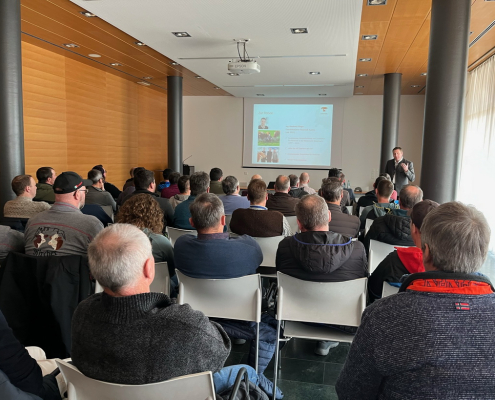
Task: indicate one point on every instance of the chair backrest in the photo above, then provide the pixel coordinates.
(189, 387)
(378, 252)
(269, 246)
(339, 303)
(228, 217)
(349, 209)
(237, 298)
(389, 290)
(369, 222)
(361, 209)
(108, 210)
(175, 233)
(293, 224)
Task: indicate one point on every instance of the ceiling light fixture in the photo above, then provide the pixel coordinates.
(232, 74)
(377, 2)
(199, 77)
(216, 87)
(143, 83)
(424, 73)
(360, 86)
(415, 85)
(260, 94)
(314, 73)
(181, 34)
(322, 94)
(361, 75)
(299, 30)
(87, 14)
(174, 63)
(365, 59)
(369, 37)
(116, 64)
(140, 43)
(94, 55)
(147, 77)
(70, 45)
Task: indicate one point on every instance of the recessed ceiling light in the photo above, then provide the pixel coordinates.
(415, 85)
(116, 64)
(174, 63)
(70, 45)
(365, 59)
(216, 87)
(377, 2)
(87, 14)
(140, 43)
(314, 73)
(147, 77)
(299, 30)
(424, 74)
(362, 75)
(322, 94)
(358, 93)
(181, 34)
(232, 74)
(199, 77)
(143, 83)
(360, 86)
(94, 55)
(369, 37)
(260, 94)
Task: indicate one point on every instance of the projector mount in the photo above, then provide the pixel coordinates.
(241, 45)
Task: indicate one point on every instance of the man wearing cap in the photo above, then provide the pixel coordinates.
(63, 230)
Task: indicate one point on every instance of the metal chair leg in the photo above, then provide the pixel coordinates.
(275, 368)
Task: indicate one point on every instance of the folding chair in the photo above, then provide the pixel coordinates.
(378, 252)
(175, 233)
(293, 224)
(80, 387)
(350, 209)
(389, 290)
(108, 210)
(303, 301)
(369, 222)
(237, 298)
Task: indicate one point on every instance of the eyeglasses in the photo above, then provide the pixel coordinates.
(81, 190)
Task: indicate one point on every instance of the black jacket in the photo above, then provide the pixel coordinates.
(297, 192)
(321, 257)
(165, 205)
(391, 269)
(367, 200)
(344, 224)
(112, 189)
(392, 229)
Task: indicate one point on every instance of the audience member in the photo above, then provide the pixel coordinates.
(232, 200)
(280, 200)
(337, 173)
(199, 183)
(370, 197)
(173, 189)
(251, 222)
(184, 191)
(382, 206)
(23, 205)
(403, 260)
(318, 255)
(157, 340)
(44, 188)
(393, 196)
(109, 188)
(332, 192)
(352, 197)
(144, 182)
(394, 228)
(130, 189)
(304, 183)
(130, 181)
(295, 190)
(166, 181)
(63, 229)
(216, 175)
(434, 340)
(10, 240)
(97, 193)
(256, 176)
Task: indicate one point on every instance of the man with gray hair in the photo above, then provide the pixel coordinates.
(435, 338)
(281, 200)
(318, 255)
(232, 200)
(97, 193)
(199, 183)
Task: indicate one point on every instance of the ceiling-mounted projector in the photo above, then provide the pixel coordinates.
(244, 65)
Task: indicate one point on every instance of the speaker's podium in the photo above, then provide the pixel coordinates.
(187, 169)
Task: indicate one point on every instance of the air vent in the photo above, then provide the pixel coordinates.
(482, 34)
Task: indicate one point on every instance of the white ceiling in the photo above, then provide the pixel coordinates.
(330, 47)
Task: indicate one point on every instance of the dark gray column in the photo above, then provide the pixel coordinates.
(174, 121)
(11, 121)
(390, 123)
(444, 104)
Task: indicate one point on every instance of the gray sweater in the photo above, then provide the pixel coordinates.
(10, 240)
(144, 338)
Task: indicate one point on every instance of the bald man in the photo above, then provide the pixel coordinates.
(304, 183)
(256, 176)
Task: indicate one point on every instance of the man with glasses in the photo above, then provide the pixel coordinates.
(63, 229)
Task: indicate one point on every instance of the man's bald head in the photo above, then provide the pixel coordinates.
(282, 184)
(409, 196)
(304, 178)
(256, 176)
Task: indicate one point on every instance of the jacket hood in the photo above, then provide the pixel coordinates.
(412, 258)
(181, 197)
(398, 226)
(321, 251)
(382, 209)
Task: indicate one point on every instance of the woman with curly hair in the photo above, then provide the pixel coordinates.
(143, 211)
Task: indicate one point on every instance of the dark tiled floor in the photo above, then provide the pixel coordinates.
(304, 375)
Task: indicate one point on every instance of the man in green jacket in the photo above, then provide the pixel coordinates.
(46, 178)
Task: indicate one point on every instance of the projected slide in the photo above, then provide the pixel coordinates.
(292, 134)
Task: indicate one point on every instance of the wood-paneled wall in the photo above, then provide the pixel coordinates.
(77, 116)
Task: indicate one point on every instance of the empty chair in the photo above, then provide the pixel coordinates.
(236, 298)
(378, 252)
(189, 387)
(389, 290)
(293, 224)
(175, 233)
(304, 301)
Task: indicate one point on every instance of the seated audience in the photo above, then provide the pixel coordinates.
(109, 188)
(304, 183)
(166, 182)
(281, 200)
(370, 197)
(232, 200)
(173, 188)
(127, 335)
(382, 206)
(215, 255)
(318, 255)
(393, 196)
(403, 260)
(199, 183)
(394, 228)
(10, 240)
(251, 222)
(434, 340)
(44, 188)
(345, 224)
(128, 188)
(184, 191)
(253, 178)
(144, 182)
(346, 200)
(216, 181)
(63, 230)
(295, 190)
(23, 205)
(97, 193)
(130, 181)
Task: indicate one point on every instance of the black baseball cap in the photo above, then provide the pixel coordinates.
(68, 182)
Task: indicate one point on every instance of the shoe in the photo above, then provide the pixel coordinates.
(323, 347)
(238, 341)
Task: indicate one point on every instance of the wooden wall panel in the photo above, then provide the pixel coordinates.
(77, 116)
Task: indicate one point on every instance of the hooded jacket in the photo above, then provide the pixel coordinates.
(44, 192)
(321, 257)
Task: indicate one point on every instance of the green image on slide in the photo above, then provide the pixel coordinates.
(268, 138)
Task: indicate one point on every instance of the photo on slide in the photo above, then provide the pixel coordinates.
(267, 155)
(268, 138)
